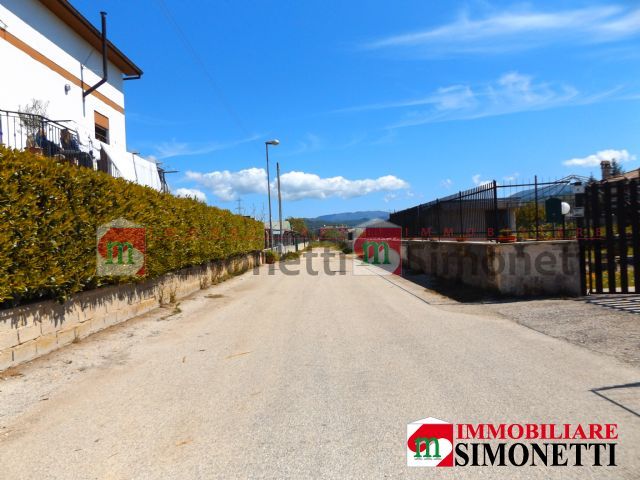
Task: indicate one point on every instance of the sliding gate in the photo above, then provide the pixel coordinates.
(610, 237)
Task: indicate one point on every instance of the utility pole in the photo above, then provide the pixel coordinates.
(239, 206)
(279, 208)
(273, 142)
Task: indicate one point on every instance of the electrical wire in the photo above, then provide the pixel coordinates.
(200, 62)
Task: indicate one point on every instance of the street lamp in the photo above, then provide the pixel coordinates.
(273, 142)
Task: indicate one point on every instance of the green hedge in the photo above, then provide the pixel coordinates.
(49, 214)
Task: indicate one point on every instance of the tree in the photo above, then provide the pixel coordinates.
(299, 225)
(31, 117)
(616, 168)
(526, 217)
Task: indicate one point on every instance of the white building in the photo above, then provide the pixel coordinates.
(49, 52)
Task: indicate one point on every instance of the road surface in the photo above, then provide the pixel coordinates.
(298, 376)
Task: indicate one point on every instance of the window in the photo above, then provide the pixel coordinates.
(102, 127)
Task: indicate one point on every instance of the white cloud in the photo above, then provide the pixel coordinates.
(228, 185)
(310, 142)
(519, 29)
(295, 185)
(477, 180)
(191, 193)
(454, 96)
(594, 160)
(513, 92)
(174, 148)
(447, 183)
(390, 196)
(299, 185)
(511, 178)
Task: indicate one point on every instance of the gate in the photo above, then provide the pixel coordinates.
(610, 237)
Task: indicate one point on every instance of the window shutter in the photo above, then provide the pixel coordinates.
(101, 120)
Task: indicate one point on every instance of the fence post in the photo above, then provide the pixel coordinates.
(537, 209)
(635, 232)
(438, 216)
(495, 210)
(460, 213)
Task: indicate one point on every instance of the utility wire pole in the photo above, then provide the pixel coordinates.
(279, 208)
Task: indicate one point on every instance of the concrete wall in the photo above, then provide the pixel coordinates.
(519, 269)
(34, 330)
(292, 248)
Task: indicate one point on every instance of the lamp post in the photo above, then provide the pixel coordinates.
(273, 142)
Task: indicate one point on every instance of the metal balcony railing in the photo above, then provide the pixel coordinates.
(51, 138)
(26, 131)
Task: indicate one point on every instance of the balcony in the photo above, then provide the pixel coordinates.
(50, 138)
(59, 140)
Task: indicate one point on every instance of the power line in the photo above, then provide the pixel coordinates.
(198, 60)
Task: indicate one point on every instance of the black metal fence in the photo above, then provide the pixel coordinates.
(610, 238)
(25, 131)
(502, 212)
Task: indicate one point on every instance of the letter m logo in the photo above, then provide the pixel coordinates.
(121, 246)
(376, 246)
(430, 443)
(427, 442)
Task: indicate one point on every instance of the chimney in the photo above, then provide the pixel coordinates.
(605, 167)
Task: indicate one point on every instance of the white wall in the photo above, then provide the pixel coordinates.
(24, 78)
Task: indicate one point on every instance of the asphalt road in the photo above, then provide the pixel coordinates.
(298, 376)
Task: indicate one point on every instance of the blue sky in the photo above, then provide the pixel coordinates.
(378, 104)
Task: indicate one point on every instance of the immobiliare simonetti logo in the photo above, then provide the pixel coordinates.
(435, 443)
(377, 246)
(120, 249)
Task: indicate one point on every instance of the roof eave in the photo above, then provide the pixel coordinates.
(83, 27)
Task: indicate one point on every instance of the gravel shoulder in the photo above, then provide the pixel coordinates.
(600, 329)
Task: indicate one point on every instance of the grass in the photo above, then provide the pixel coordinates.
(324, 244)
(290, 256)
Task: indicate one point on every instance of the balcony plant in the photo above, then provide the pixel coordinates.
(507, 236)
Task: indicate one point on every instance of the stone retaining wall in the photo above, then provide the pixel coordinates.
(518, 269)
(34, 330)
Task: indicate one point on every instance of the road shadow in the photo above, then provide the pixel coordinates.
(618, 391)
(454, 290)
(464, 293)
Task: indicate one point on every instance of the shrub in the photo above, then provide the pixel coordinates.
(290, 256)
(271, 257)
(49, 214)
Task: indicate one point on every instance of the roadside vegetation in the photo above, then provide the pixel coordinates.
(344, 247)
(50, 212)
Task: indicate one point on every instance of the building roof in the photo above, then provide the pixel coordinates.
(633, 174)
(276, 226)
(377, 223)
(83, 27)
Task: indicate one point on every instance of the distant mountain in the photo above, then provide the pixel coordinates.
(350, 219)
(351, 216)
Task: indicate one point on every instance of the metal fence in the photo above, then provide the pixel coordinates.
(502, 212)
(610, 237)
(26, 131)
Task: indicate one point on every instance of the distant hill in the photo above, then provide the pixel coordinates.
(350, 219)
(351, 216)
